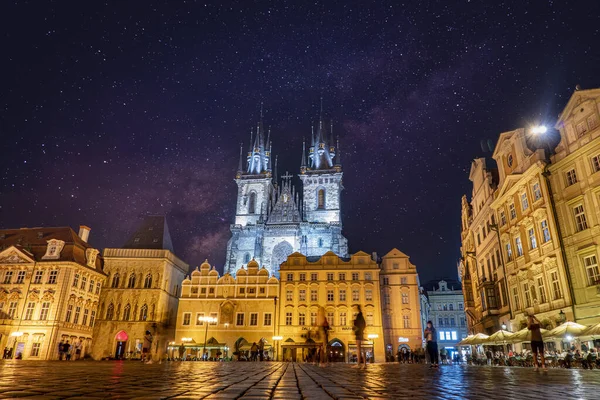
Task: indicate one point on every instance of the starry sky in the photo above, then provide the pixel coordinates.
(112, 110)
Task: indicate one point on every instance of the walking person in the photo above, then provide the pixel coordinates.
(325, 335)
(67, 350)
(61, 350)
(78, 346)
(253, 352)
(147, 347)
(182, 352)
(359, 332)
(432, 347)
(537, 342)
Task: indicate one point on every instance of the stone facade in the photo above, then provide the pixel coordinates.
(50, 280)
(244, 307)
(401, 303)
(140, 294)
(313, 288)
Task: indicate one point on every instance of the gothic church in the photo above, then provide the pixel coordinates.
(273, 219)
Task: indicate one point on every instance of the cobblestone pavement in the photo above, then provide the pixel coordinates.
(246, 380)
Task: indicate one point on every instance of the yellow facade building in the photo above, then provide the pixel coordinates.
(575, 178)
(243, 309)
(50, 282)
(334, 287)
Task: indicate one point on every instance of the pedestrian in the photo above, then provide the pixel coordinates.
(359, 333)
(488, 356)
(325, 335)
(78, 350)
(67, 350)
(61, 350)
(537, 342)
(182, 352)
(253, 352)
(432, 347)
(147, 347)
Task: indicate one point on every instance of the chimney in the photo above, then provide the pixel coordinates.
(84, 232)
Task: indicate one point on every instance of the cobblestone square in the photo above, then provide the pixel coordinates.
(247, 380)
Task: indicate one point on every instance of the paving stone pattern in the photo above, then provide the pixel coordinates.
(248, 380)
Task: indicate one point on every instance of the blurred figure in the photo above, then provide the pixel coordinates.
(359, 332)
(537, 342)
(432, 347)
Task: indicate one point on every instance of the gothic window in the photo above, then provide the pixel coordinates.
(280, 253)
(131, 283)
(127, 313)
(110, 312)
(246, 258)
(321, 199)
(252, 203)
(148, 281)
(115, 281)
(144, 313)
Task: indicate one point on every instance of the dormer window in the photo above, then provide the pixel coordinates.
(53, 250)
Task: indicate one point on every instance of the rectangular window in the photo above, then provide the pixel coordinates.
(289, 295)
(404, 280)
(368, 295)
(288, 318)
(91, 287)
(212, 290)
(39, 275)
(76, 315)
(85, 316)
(343, 319)
(12, 309)
(541, 290)
(592, 121)
(215, 320)
(580, 220)
(537, 192)
(239, 319)
(512, 211)
(29, 311)
(395, 266)
(314, 295)
(596, 163)
(203, 290)
(20, 277)
(367, 276)
(591, 267)
(253, 319)
(83, 282)
(7, 277)
(516, 298)
(53, 277)
(524, 202)
(313, 318)
(386, 280)
(290, 277)
(187, 317)
(555, 286)
(369, 318)
(571, 177)
(442, 335)
(532, 240)
(355, 276)
(98, 288)
(519, 246)
(406, 321)
(440, 321)
(302, 295)
(329, 276)
(302, 277)
(251, 290)
(330, 318)
(491, 298)
(386, 299)
(242, 290)
(267, 319)
(301, 319)
(199, 319)
(545, 231)
(329, 295)
(502, 218)
(460, 306)
(342, 294)
(342, 276)
(527, 295)
(454, 337)
(404, 298)
(314, 276)
(462, 321)
(92, 318)
(44, 311)
(355, 295)
(35, 350)
(76, 280)
(69, 313)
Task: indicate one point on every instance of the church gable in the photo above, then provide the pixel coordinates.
(286, 208)
(14, 255)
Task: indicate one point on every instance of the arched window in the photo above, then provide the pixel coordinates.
(144, 313)
(321, 199)
(252, 203)
(115, 281)
(246, 258)
(148, 281)
(131, 283)
(110, 312)
(127, 313)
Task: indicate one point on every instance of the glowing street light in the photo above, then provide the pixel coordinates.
(207, 321)
(539, 130)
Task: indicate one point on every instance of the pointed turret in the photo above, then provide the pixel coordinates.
(259, 155)
(240, 166)
(303, 161)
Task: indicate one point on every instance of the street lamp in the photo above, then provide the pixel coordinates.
(207, 321)
(562, 318)
(276, 339)
(503, 327)
(539, 130)
(373, 336)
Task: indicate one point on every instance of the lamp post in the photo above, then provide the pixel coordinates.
(207, 321)
(373, 336)
(276, 339)
(503, 327)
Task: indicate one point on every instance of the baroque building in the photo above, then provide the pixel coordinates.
(50, 282)
(274, 220)
(243, 308)
(401, 303)
(140, 294)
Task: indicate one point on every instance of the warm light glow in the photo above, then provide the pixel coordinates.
(569, 338)
(210, 320)
(540, 129)
(372, 336)
(277, 337)
(186, 339)
(16, 334)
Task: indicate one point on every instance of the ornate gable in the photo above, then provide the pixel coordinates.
(14, 255)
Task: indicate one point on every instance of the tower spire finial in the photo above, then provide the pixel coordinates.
(303, 162)
(241, 152)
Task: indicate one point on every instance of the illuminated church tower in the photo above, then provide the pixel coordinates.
(273, 219)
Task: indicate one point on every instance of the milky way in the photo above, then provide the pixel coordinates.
(113, 110)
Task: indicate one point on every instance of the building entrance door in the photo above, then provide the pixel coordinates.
(121, 339)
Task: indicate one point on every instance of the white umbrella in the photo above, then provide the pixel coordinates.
(473, 340)
(500, 337)
(465, 341)
(591, 331)
(524, 335)
(567, 329)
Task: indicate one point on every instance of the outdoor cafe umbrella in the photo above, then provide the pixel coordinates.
(473, 340)
(568, 328)
(500, 337)
(592, 331)
(524, 335)
(465, 341)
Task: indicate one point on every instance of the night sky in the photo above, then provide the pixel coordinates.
(112, 110)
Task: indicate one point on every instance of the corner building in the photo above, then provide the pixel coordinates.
(334, 287)
(141, 293)
(50, 280)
